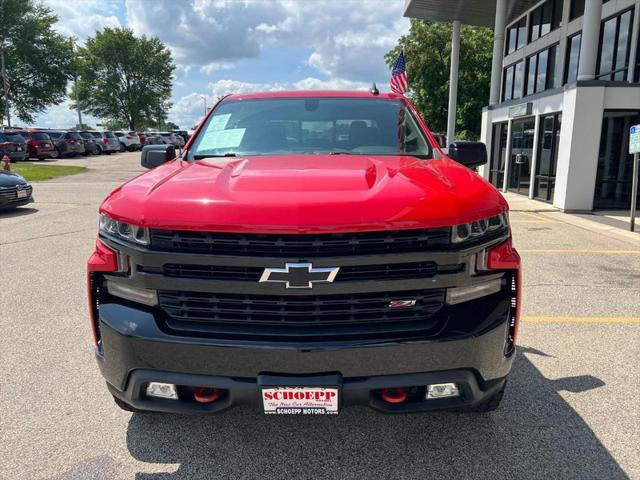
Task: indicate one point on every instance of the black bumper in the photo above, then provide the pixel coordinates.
(135, 351)
(9, 204)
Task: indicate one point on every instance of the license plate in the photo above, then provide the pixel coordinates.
(300, 400)
(47, 145)
(21, 194)
(18, 149)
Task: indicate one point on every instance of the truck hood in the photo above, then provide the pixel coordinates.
(305, 193)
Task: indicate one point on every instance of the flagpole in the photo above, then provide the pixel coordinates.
(6, 87)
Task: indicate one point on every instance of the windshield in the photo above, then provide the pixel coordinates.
(16, 138)
(355, 126)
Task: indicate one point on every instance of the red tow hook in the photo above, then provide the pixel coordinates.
(206, 394)
(394, 395)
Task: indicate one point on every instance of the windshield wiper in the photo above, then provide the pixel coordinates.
(200, 157)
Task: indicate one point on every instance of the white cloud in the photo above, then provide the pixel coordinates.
(83, 20)
(209, 68)
(61, 116)
(189, 110)
(348, 38)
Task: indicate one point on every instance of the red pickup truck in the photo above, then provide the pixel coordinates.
(306, 251)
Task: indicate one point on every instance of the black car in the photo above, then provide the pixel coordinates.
(13, 145)
(14, 190)
(68, 144)
(90, 143)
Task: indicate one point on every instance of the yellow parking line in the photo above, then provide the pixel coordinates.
(628, 320)
(578, 250)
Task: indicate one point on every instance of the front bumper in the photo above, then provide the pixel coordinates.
(134, 351)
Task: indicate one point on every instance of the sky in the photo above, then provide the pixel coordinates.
(233, 46)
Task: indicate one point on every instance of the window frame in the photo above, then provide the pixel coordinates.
(539, 11)
(516, 27)
(567, 58)
(549, 65)
(614, 58)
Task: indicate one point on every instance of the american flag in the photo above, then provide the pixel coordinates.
(399, 82)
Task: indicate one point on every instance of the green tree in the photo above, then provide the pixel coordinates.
(37, 59)
(427, 51)
(123, 77)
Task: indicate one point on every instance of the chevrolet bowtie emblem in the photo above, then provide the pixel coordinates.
(299, 275)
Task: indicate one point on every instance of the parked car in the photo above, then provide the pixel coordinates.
(14, 146)
(172, 139)
(182, 133)
(90, 143)
(128, 141)
(283, 267)
(15, 191)
(107, 142)
(154, 138)
(143, 139)
(39, 144)
(67, 144)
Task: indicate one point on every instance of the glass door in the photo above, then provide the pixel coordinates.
(498, 154)
(547, 161)
(521, 150)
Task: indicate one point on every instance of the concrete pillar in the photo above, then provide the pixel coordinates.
(635, 33)
(590, 39)
(498, 51)
(537, 129)
(507, 158)
(453, 82)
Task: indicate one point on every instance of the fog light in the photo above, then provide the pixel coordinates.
(442, 390)
(162, 390)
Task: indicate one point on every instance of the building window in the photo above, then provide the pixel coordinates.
(516, 36)
(545, 18)
(577, 9)
(541, 71)
(573, 58)
(615, 164)
(615, 43)
(513, 81)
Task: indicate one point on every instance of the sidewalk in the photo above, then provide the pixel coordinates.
(610, 223)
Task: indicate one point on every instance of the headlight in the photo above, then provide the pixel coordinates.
(475, 230)
(123, 231)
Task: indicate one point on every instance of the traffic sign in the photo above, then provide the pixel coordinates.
(634, 139)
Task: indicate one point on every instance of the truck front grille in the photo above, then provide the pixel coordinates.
(326, 316)
(303, 246)
(391, 271)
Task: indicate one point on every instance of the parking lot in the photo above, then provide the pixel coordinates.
(571, 409)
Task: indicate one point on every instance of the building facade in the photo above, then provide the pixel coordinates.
(565, 92)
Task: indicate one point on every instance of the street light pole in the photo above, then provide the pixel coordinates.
(78, 104)
(5, 86)
(204, 104)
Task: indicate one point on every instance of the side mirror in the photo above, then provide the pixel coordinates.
(155, 155)
(469, 154)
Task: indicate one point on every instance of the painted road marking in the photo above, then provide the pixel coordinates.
(552, 319)
(578, 250)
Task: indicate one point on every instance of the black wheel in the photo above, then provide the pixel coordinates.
(490, 404)
(125, 406)
(56, 153)
(122, 147)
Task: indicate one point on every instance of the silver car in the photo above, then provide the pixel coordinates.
(107, 142)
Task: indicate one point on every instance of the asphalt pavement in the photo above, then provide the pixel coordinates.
(571, 409)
